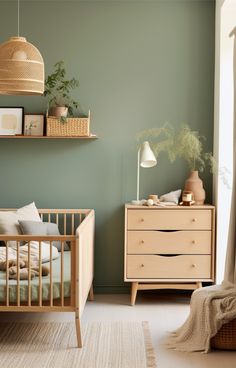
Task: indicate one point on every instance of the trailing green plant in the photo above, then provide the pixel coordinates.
(183, 143)
(58, 88)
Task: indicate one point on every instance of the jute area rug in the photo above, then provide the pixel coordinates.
(49, 345)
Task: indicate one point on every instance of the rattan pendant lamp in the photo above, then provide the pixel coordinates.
(21, 67)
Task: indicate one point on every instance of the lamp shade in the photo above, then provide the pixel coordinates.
(147, 157)
(21, 68)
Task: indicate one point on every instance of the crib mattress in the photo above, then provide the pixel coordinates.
(56, 276)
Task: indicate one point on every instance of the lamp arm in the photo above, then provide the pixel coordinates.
(18, 18)
(138, 167)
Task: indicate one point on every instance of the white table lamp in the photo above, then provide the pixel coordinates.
(146, 159)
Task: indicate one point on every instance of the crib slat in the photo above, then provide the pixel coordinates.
(51, 285)
(57, 219)
(18, 273)
(49, 217)
(7, 276)
(62, 274)
(64, 223)
(72, 224)
(72, 273)
(80, 218)
(40, 274)
(29, 276)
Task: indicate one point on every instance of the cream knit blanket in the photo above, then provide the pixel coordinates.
(34, 252)
(195, 334)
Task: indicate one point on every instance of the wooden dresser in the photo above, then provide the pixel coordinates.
(170, 247)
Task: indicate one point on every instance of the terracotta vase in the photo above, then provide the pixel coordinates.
(195, 185)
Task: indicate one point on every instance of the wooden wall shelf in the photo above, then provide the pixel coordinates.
(92, 136)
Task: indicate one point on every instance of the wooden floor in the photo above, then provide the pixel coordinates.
(164, 313)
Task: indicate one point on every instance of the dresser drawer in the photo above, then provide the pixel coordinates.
(163, 267)
(169, 242)
(162, 219)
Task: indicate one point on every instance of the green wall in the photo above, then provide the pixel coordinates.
(140, 64)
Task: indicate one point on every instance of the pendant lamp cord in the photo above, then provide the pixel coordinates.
(18, 18)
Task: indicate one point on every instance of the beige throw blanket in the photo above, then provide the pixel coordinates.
(210, 308)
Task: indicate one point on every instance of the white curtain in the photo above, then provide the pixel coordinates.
(213, 306)
(230, 264)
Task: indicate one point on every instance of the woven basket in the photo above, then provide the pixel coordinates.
(225, 339)
(73, 127)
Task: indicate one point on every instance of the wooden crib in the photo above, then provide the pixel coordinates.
(55, 295)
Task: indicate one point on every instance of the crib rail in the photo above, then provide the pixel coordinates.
(68, 221)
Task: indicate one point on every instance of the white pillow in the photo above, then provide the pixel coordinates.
(9, 224)
(172, 197)
(28, 213)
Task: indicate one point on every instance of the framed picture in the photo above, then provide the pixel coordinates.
(33, 124)
(11, 120)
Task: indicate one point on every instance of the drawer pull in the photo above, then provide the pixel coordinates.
(193, 265)
(142, 265)
(142, 219)
(194, 220)
(193, 242)
(141, 241)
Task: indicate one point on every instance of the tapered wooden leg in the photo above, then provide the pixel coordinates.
(134, 289)
(199, 284)
(78, 332)
(91, 295)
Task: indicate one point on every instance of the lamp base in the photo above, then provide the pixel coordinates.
(137, 202)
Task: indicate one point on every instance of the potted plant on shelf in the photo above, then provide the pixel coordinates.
(186, 144)
(57, 89)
